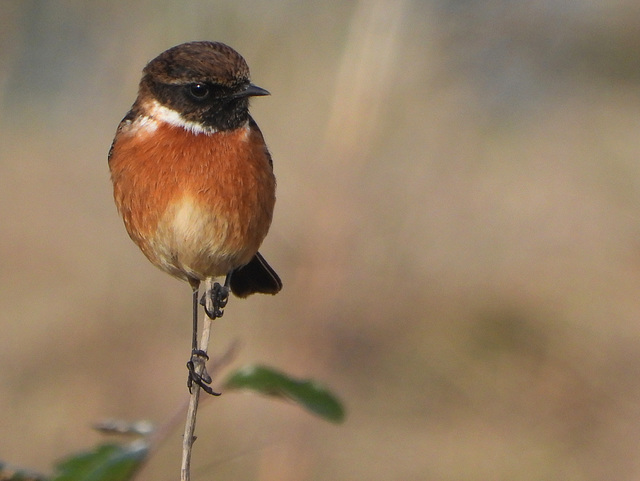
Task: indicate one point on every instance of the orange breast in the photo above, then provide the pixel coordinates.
(197, 205)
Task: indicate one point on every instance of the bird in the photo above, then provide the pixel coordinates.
(193, 178)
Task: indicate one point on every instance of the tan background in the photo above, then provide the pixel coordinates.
(457, 228)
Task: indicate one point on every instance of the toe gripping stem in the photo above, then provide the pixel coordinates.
(203, 380)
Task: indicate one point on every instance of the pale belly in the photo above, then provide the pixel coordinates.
(191, 241)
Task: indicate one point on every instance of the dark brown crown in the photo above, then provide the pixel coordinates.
(205, 82)
(211, 62)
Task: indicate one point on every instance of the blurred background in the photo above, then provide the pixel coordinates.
(457, 229)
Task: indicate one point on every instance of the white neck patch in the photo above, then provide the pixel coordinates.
(160, 113)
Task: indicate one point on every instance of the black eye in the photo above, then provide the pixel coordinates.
(199, 91)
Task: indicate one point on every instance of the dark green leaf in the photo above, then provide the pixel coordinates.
(309, 394)
(108, 462)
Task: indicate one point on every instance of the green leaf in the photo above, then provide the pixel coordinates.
(309, 394)
(108, 462)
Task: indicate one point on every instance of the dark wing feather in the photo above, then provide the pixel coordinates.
(255, 277)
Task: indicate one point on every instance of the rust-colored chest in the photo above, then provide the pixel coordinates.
(197, 205)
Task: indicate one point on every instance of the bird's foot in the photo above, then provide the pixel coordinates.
(202, 379)
(214, 300)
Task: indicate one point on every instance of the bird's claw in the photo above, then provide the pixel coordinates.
(214, 300)
(203, 380)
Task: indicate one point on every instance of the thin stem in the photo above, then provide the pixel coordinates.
(190, 425)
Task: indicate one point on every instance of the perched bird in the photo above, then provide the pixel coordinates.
(193, 178)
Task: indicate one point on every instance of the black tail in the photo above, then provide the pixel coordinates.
(256, 276)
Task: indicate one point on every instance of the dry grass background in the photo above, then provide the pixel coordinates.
(457, 228)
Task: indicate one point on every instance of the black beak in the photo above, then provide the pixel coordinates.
(251, 91)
